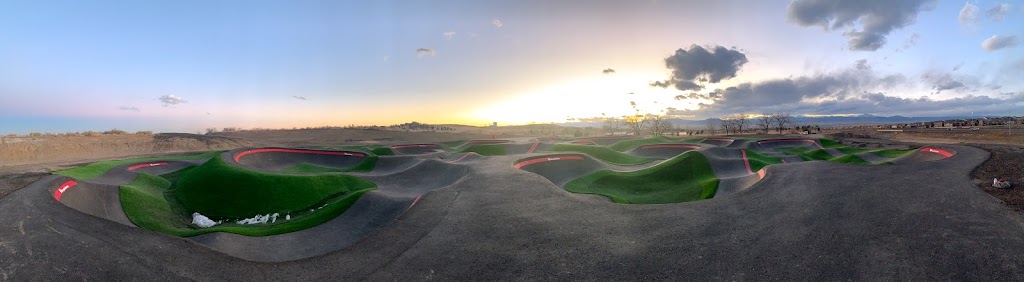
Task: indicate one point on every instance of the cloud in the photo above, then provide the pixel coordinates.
(862, 64)
(911, 41)
(387, 58)
(608, 71)
(497, 23)
(942, 82)
(876, 18)
(424, 52)
(968, 14)
(127, 108)
(171, 100)
(701, 65)
(998, 12)
(449, 35)
(299, 97)
(848, 91)
(997, 42)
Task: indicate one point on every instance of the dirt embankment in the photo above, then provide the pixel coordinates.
(72, 149)
(1005, 162)
(960, 137)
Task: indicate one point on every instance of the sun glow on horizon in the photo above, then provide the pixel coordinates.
(588, 97)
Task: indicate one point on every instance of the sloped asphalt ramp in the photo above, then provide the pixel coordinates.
(806, 221)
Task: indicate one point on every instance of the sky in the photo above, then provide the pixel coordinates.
(185, 66)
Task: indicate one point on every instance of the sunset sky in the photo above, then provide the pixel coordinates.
(189, 65)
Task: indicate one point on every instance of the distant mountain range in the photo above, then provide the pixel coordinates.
(799, 120)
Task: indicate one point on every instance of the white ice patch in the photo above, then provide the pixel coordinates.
(202, 221)
(260, 219)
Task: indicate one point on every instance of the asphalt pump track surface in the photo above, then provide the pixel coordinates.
(464, 216)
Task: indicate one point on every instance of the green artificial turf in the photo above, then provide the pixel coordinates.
(759, 161)
(486, 149)
(850, 159)
(149, 203)
(822, 155)
(829, 143)
(366, 165)
(96, 169)
(626, 145)
(601, 153)
(687, 177)
(219, 190)
(851, 150)
(806, 154)
(892, 153)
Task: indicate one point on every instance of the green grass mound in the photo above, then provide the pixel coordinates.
(822, 155)
(219, 190)
(892, 153)
(829, 143)
(486, 149)
(626, 145)
(601, 153)
(850, 159)
(150, 203)
(687, 177)
(366, 165)
(885, 153)
(807, 154)
(759, 161)
(93, 170)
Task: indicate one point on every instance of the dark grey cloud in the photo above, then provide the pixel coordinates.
(129, 108)
(968, 14)
(171, 100)
(862, 64)
(424, 52)
(851, 91)
(998, 12)
(699, 65)
(608, 71)
(875, 18)
(299, 97)
(942, 82)
(997, 42)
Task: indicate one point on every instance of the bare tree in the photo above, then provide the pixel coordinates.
(782, 120)
(739, 121)
(636, 123)
(764, 122)
(727, 125)
(711, 125)
(611, 125)
(658, 124)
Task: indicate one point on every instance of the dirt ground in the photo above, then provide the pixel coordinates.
(1005, 162)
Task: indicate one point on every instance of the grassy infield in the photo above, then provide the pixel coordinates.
(165, 203)
(221, 191)
(687, 177)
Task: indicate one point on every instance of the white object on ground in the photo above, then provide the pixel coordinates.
(287, 217)
(202, 221)
(273, 217)
(1001, 184)
(258, 219)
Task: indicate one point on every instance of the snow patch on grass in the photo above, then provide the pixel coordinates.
(202, 221)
